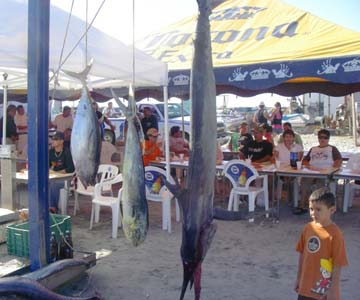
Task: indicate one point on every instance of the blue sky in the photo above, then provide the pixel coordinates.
(115, 17)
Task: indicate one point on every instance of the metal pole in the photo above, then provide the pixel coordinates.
(38, 100)
(353, 115)
(5, 86)
(166, 138)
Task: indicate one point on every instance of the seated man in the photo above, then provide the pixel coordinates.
(258, 150)
(60, 160)
(323, 156)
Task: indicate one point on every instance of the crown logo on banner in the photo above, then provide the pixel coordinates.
(352, 65)
(181, 80)
(259, 74)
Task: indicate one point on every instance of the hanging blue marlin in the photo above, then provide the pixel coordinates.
(135, 219)
(196, 200)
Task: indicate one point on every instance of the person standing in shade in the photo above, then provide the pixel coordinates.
(109, 111)
(102, 119)
(148, 120)
(21, 126)
(60, 160)
(11, 130)
(276, 118)
(63, 121)
(261, 115)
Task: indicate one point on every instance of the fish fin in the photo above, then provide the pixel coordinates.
(123, 108)
(81, 75)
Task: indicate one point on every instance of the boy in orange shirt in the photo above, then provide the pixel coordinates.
(321, 251)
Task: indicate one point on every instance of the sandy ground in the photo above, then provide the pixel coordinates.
(246, 261)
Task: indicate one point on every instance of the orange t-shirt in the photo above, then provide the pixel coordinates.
(322, 248)
(152, 155)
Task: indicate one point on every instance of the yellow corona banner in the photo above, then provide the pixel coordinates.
(259, 45)
(254, 31)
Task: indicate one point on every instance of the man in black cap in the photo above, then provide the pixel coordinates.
(60, 160)
(149, 120)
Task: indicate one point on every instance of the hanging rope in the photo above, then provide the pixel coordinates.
(56, 74)
(81, 38)
(133, 56)
(86, 36)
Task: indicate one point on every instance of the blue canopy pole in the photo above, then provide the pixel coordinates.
(38, 90)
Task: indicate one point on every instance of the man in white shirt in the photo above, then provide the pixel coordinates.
(64, 120)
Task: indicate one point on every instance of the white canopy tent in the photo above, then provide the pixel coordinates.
(113, 60)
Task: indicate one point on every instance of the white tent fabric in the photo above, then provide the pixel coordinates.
(113, 60)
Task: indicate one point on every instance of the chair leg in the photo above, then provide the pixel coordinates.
(92, 215)
(231, 200)
(115, 220)
(164, 215)
(236, 200)
(251, 206)
(97, 213)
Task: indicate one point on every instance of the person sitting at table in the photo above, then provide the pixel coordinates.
(240, 139)
(282, 150)
(282, 154)
(177, 143)
(151, 146)
(258, 150)
(60, 160)
(323, 156)
(297, 139)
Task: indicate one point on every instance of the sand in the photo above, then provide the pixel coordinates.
(246, 261)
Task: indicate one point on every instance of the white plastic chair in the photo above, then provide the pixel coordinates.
(157, 191)
(246, 180)
(114, 202)
(349, 195)
(104, 172)
(353, 164)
